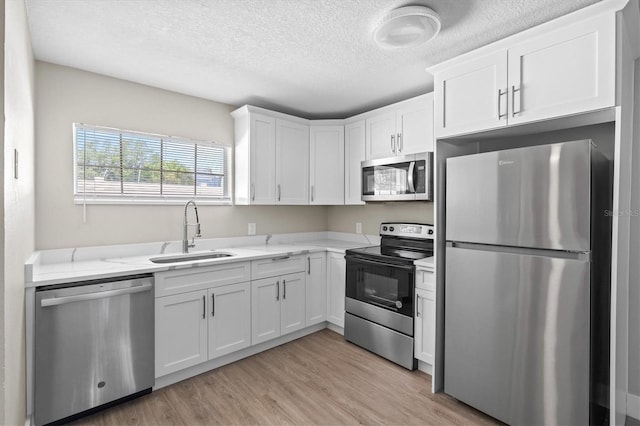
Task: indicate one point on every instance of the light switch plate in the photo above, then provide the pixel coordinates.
(251, 229)
(358, 227)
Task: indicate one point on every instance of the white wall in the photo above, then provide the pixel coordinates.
(344, 218)
(634, 273)
(18, 201)
(2, 383)
(66, 95)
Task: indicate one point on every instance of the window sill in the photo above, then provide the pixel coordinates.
(80, 200)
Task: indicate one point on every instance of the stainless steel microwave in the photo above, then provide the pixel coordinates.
(405, 178)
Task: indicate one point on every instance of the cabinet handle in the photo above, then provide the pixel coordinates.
(308, 266)
(213, 305)
(253, 192)
(204, 307)
(278, 192)
(284, 289)
(280, 258)
(312, 192)
(500, 93)
(278, 290)
(513, 101)
(399, 139)
(393, 143)
(417, 305)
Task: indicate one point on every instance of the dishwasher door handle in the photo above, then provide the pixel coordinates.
(92, 296)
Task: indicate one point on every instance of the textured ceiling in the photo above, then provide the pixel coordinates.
(314, 58)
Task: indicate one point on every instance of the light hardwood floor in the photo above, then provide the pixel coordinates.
(318, 380)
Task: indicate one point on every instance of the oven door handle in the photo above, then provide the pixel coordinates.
(378, 263)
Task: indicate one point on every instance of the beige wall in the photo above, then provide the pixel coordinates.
(18, 201)
(67, 95)
(344, 218)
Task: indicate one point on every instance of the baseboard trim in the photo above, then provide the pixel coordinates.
(633, 406)
(335, 328)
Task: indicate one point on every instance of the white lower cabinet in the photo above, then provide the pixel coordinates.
(277, 306)
(229, 319)
(316, 288)
(425, 319)
(181, 331)
(336, 274)
(196, 326)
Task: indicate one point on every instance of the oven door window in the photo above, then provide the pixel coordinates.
(386, 286)
(390, 179)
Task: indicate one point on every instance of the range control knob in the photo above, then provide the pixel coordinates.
(391, 228)
(384, 228)
(430, 231)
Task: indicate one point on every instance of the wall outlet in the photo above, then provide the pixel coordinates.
(358, 227)
(251, 229)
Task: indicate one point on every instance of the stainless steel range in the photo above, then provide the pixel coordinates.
(380, 291)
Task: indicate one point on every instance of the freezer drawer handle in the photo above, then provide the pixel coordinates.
(92, 296)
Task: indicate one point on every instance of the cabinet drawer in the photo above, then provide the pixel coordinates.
(425, 279)
(279, 265)
(200, 278)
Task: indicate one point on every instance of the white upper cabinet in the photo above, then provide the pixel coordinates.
(381, 135)
(472, 96)
(354, 144)
(567, 70)
(271, 158)
(263, 160)
(292, 164)
(414, 125)
(400, 129)
(326, 165)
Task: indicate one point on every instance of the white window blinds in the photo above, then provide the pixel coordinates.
(125, 166)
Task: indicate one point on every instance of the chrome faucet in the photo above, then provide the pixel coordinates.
(185, 225)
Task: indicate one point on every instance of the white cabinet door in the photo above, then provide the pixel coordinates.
(229, 319)
(472, 96)
(316, 288)
(292, 162)
(265, 310)
(293, 301)
(567, 71)
(336, 274)
(354, 144)
(381, 135)
(326, 163)
(180, 331)
(263, 159)
(414, 121)
(425, 326)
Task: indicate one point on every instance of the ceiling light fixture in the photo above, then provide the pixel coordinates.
(408, 26)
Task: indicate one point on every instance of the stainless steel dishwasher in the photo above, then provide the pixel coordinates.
(94, 345)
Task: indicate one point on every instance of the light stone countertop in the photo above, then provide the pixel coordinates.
(426, 263)
(65, 266)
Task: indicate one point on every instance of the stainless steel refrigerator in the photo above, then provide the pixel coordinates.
(527, 283)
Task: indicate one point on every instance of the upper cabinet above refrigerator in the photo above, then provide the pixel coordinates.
(550, 73)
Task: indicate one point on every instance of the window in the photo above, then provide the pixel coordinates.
(121, 166)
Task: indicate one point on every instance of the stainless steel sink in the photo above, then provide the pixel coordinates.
(187, 257)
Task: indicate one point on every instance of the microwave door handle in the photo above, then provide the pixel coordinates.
(412, 167)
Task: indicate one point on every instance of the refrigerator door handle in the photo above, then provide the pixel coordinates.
(584, 256)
